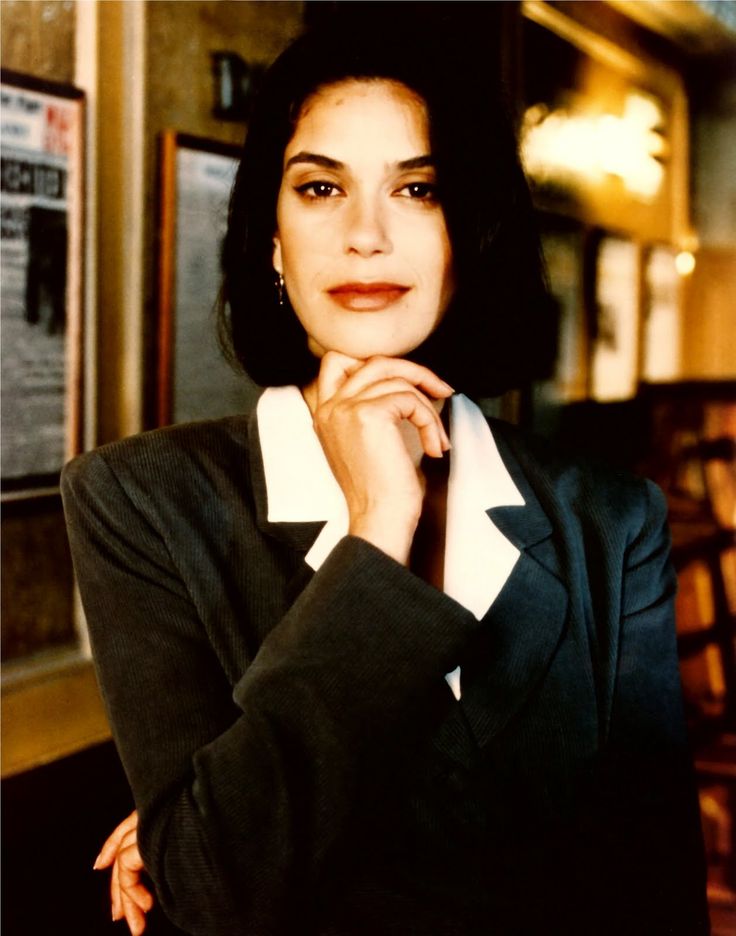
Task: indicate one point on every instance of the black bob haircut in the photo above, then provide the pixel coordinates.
(499, 329)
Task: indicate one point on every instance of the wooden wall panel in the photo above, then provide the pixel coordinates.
(38, 38)
(181, 34)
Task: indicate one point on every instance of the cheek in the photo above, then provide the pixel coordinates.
(435, 255)
(303, 248)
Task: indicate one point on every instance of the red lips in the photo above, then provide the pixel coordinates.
(367, 297)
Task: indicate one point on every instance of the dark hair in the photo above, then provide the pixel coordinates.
(498, 331)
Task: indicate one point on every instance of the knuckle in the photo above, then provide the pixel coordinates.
(380, 361)
(402, 384)
(362, 411)
(130, 860)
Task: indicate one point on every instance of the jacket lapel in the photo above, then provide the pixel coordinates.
(299, 537)
(517, 638)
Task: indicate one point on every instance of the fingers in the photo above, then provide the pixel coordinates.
(130, 866)
(125, 878)
(134, 916)
(112, 844)
(116, 898)
(410, 406)
(345, 379)
(129, 898)
(402, 401)
(396, 398)
(340, 374)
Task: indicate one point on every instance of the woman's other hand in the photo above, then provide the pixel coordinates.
(129, 898)
(364, 412)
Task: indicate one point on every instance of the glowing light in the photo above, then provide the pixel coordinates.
(685, 263)
(561, 146)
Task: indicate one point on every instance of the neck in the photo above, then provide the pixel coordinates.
(309, 392)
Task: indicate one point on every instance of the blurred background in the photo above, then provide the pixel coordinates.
(121, 123)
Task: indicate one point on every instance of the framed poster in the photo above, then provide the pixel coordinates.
(563, 248)
(41, 255)
(615, 358)
(195, 381)
(662, 337)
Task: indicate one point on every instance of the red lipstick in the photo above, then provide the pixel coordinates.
(367, 297)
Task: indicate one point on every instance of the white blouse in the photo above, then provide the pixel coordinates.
(301, 488)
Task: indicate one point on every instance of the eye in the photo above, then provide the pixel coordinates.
(318, 189)
(419, 191)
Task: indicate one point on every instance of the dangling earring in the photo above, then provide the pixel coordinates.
(280, 288)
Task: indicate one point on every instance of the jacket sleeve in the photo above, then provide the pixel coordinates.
(646, 841)
(242, 793)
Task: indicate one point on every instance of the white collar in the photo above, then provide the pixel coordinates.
(300, 487)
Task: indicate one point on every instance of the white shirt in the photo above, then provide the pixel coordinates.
(300, 488)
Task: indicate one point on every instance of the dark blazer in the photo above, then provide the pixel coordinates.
(298, 761)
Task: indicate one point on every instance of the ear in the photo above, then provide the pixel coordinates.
(277, 264)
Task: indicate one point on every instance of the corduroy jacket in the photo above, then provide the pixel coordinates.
(299, 763)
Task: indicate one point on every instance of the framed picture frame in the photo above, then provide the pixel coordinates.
(615, 273)
(563, 247)
(195, 381)
(41, 247)
(662, 327)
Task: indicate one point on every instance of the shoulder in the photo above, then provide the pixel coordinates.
(581, 492)
(173, 462)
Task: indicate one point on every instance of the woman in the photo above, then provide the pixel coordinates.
(372, 665)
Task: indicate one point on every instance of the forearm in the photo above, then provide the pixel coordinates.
(340, 681)
(241, 802)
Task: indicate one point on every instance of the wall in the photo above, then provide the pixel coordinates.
(156, 74)
(709, 350)
(39, 37)
(181, 34)
(50, 700)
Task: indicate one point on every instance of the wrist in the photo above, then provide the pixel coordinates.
(389, 532)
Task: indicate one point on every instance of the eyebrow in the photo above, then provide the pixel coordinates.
(316, 159)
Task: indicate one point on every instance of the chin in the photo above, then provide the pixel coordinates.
(366, 348)
(363, 353)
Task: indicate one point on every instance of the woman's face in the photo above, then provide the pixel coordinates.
(362, 242)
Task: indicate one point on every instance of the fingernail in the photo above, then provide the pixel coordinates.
(446, 384)
(96, 865)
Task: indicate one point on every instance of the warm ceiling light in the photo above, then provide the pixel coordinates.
(685, 263)
(561, 146)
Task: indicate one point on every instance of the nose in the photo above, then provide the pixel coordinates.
(366, 227)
